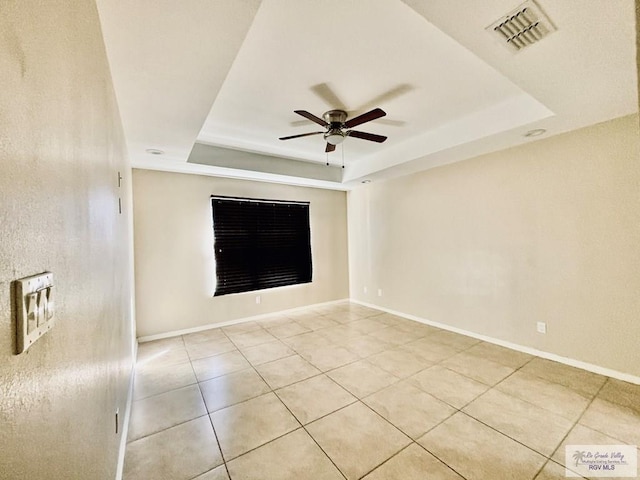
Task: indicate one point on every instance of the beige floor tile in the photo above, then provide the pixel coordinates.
(305, 314)
(344, 317)
(242, 327)
(581, 435)
(613, 420)
(367, 325)
(248, 425)
(323, 309)
(455, 340)
(365, 346)
(152, 380)
(413, 463)
(209, 348)
(398, 362)
(306, 340)
(339, 333)
(328, 357)
(389, 319)
(533, 426)
(552, 471)
(478, 452)
(501, 355)
(348, 306)
(287, 330)
(221, 392)
(203, 336)
(166, 352)
(314, 398)
(362, 378)
(365, 312)
(316, 323)
(420, 329)
(409, 408)
(267, 352)
(286, 371)
(357, 439)
(252, 338)
(622, 393)
(294, 456)
(218, 365)
(476, 368)
(153, 414)
(447, 385)
(549, 395)
(178, 453)
(394, 336)
(581, 381)
(218, 473)
(273, 320)
(430, 350)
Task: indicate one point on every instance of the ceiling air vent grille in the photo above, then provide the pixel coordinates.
(522, 27)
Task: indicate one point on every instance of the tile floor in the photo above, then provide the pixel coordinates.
(344, 391)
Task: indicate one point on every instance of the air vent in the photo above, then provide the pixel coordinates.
(522, 27)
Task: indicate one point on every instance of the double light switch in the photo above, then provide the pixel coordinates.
(35, 308)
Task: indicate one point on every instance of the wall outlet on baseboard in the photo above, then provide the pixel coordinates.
(258, 299)
(541, 327)
(379, 292)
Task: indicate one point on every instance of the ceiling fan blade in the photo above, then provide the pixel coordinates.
(330, 148)
(387, 96)
(311, 117)
(298, 136)
(326, 93)
(365, 117)
(367, 136)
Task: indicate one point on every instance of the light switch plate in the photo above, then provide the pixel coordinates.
(34, 309)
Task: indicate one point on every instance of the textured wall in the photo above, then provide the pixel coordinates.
(638, 45)
(174, 251)
(547, 231)
(61, 146)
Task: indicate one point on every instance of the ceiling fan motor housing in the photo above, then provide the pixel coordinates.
(335, 119)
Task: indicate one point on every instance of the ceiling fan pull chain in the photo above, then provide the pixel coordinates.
(327, 154)
(343, 155)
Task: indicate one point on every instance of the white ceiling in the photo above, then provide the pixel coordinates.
(229, 73)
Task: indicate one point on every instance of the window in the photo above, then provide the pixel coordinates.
(260, 244)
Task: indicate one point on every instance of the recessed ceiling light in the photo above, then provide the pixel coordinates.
(155, 151)
(366, 181)
(535, 133)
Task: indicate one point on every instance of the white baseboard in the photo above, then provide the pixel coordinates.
(590, 367)
(177, 333)
(127, 414)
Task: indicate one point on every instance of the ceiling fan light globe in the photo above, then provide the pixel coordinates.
(334, 137)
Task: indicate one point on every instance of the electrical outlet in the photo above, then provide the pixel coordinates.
(541, 327)
(364, 289)
(379, 292)
(258, 299)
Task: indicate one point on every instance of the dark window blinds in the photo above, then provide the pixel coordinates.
(260, 244)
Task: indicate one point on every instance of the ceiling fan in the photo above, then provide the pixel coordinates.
(338, 127)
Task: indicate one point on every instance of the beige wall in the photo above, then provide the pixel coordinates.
(638, 45)
(60, 149)
(174, 261)
(549, 231)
